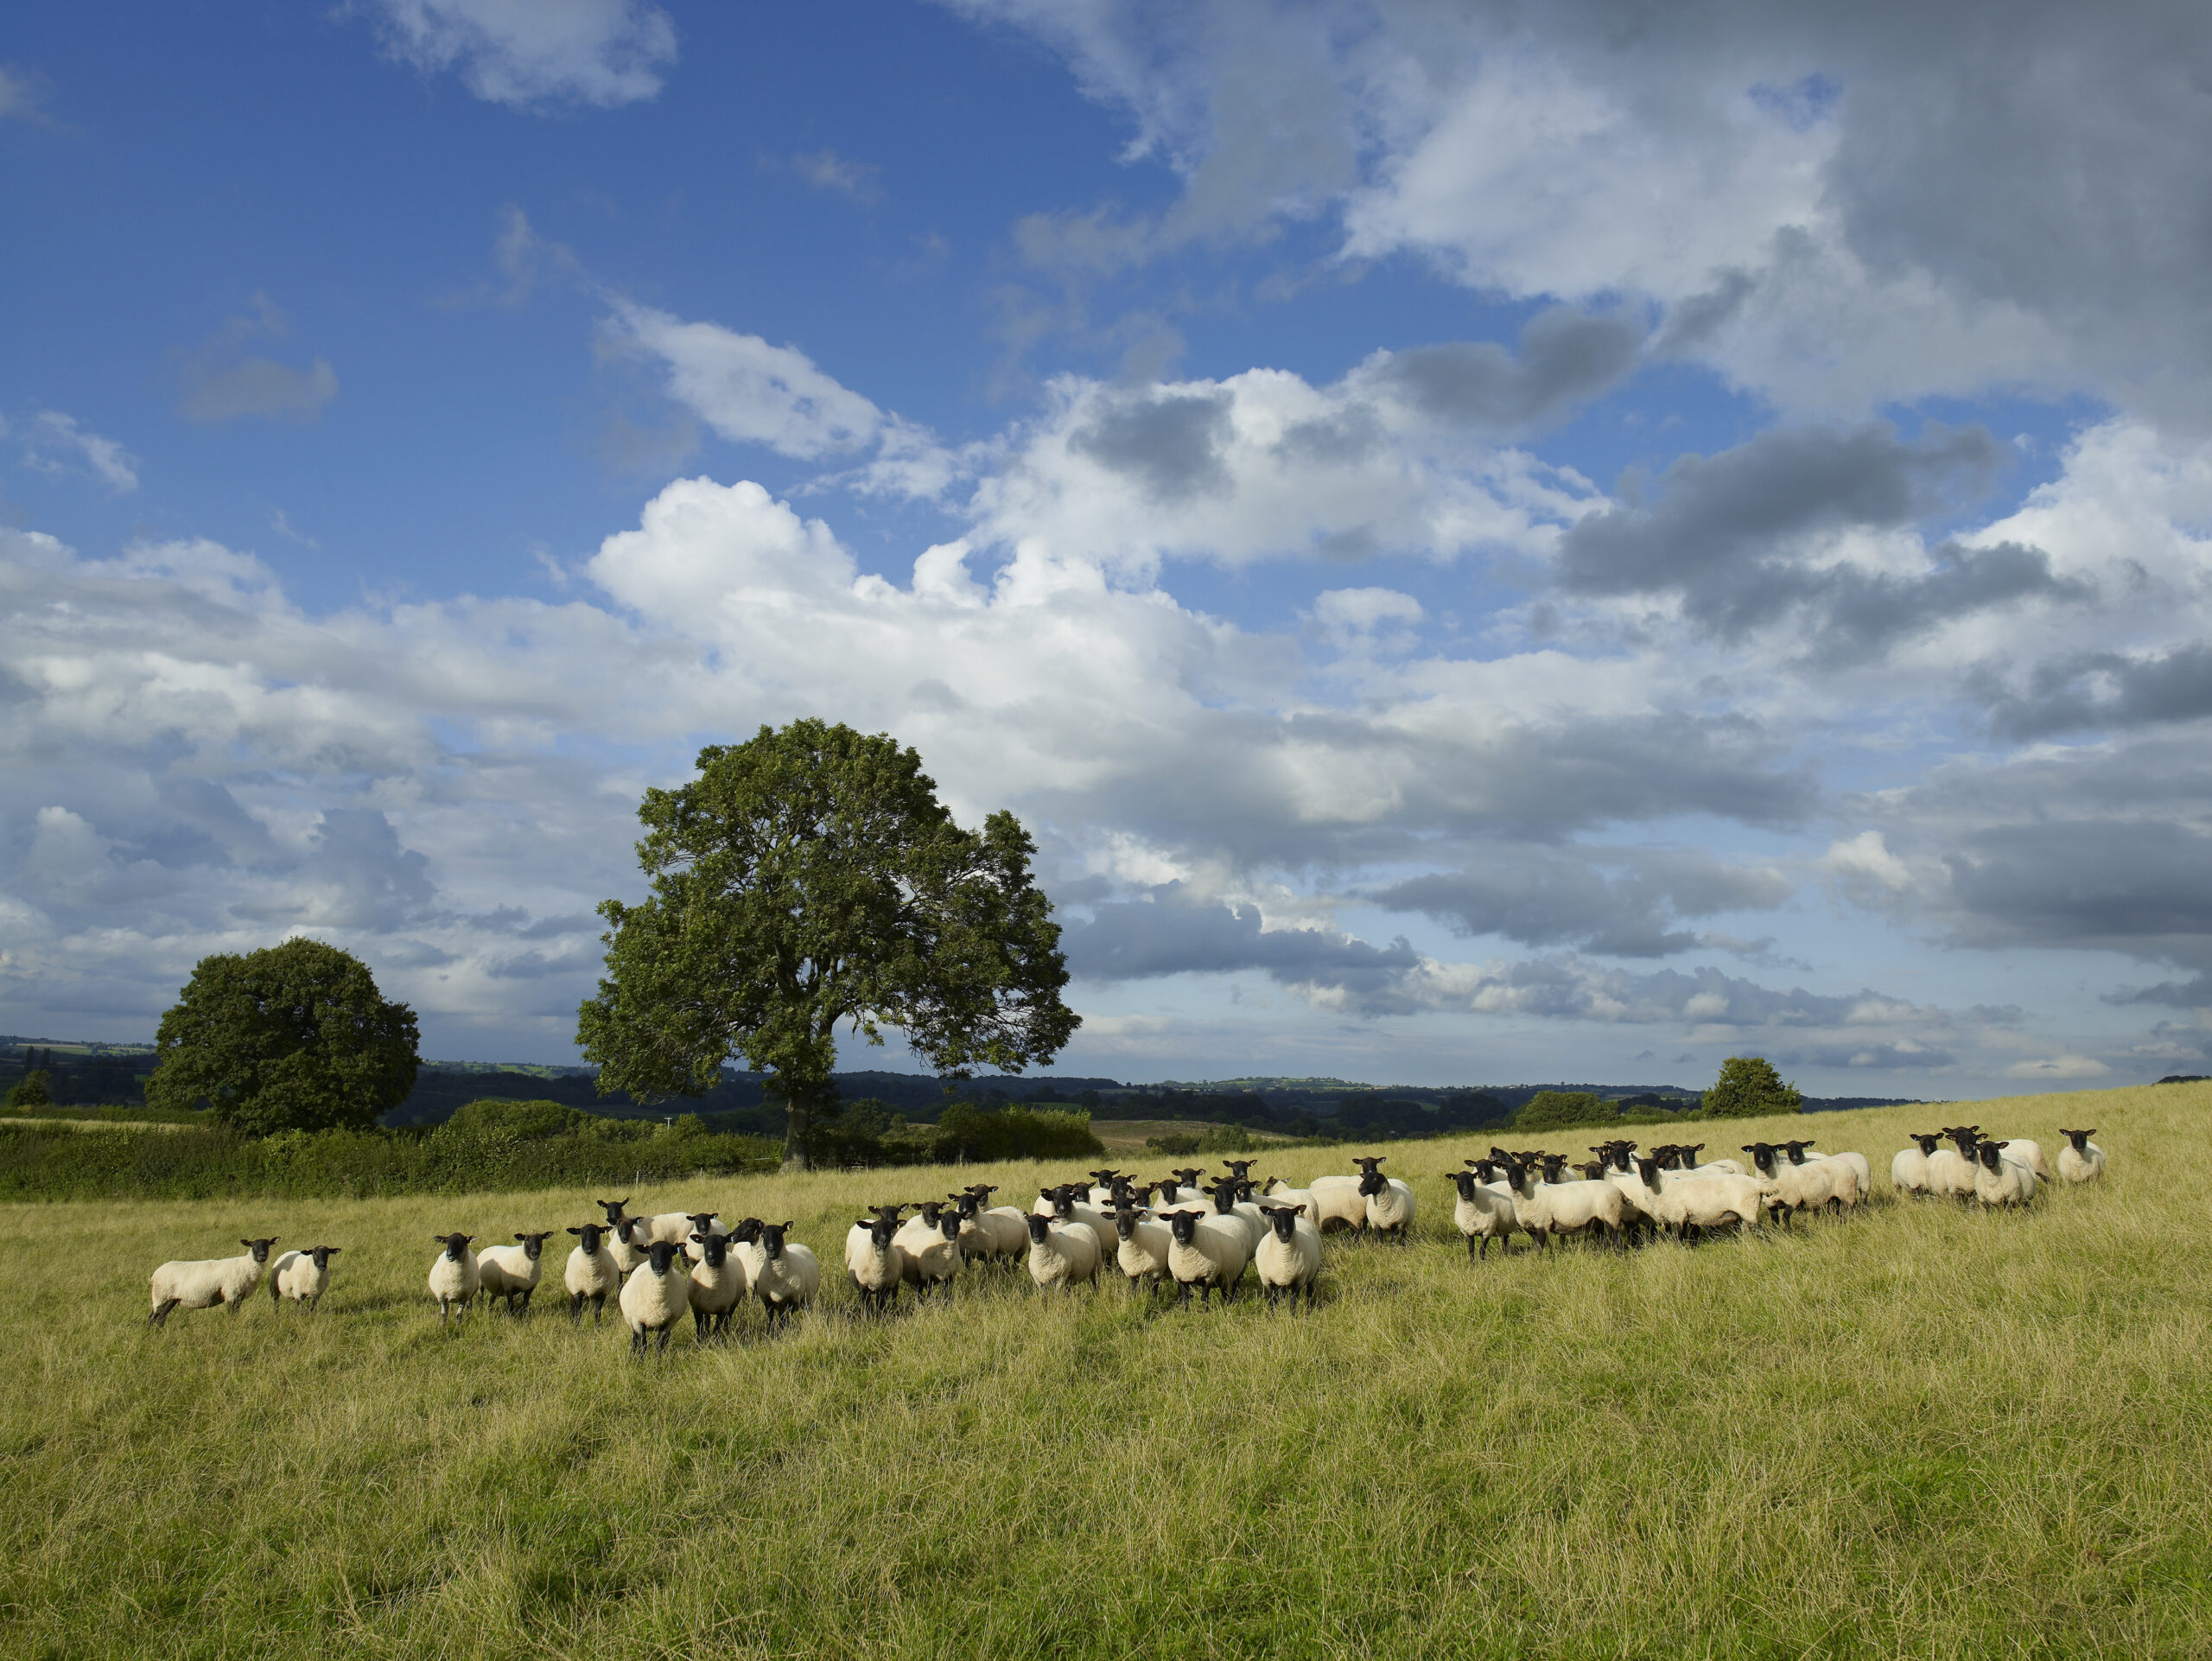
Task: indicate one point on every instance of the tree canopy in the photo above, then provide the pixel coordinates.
(809, 878)
(294, 1037)
(1748, 1088)
(1556, 1110)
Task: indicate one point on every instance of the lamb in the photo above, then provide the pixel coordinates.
(1908, 1166)
(590, 1273)
(2081, 1160)
(1699, 1202)
(1543, 1206)
(513, 1271)
(1289, 1257)
(302, 1277)
(1061, 1256)
(204, 1283)
(1389, 1207)
(933, 1256)
(789, 1274)
(2002, 1180)
(1483, 1213)
(874, 1261)
(1206, 1252)
(1140, 1252)
(656, 1297)
(719, 1284)
(453, 1279)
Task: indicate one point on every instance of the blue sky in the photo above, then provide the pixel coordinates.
(1483, 547)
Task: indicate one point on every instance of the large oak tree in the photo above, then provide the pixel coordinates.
(808, 879)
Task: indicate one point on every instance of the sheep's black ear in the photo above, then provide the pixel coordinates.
(575, 1231)
(331, 1251)
(248, 1244)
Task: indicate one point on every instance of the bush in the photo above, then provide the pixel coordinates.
(1557, 1110)
(1175, 1142)
(1750, 1088)
(34, 1088)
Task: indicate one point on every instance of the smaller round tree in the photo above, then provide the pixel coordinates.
(294, 1037)
(34, 1088)
(1750, 1088)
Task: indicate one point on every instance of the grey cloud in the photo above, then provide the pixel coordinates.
(1567, 358)
(1554, 896)
(1894, 1057)
(1172, 934)
(221, 380)
(2108, 691)
(1691, 324)
(1734, 536)
(1171, 444)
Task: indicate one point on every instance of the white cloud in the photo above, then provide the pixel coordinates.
(220, 379)
(2057, 1067)
(53, 442)
(19, 98)
(827, 170)
(526, 52)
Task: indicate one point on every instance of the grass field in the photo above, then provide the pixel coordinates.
(1922, 1432)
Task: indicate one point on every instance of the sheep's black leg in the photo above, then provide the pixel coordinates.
(161, 1316)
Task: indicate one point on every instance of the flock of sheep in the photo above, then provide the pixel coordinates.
(661, 1268)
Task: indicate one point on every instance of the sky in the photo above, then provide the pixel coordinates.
(1485, 542)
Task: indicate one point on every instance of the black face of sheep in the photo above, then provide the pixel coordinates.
(982, 1191)
(1374, 1183)
(748, 1232)
(1762, 1154)
(713, 1248)
(321, 1256)
(1283, 1219)
(1184, 1224)
(259, 1248)
(1927, 1140)
(967, 1206)
(452, 1243)
(1465, 1181)
(1186, 1175)
(1125, 1223)
(588, 1237)
(702, 1222)
(1689, 1154)
(612, 1208)
(772, 1238)
(1238, 1166)
(1367, 1166)
(1989, 1153)
(1797, 1151)
(659, 1255)
(1554, 1166)
(533, 1245)
(2079, 1138)
(1224, 1195)
(1648, 1169)
(1038, 1227)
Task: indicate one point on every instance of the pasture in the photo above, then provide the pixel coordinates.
(1920, 1431)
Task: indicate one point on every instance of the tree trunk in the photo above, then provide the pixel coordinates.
(798, 1120)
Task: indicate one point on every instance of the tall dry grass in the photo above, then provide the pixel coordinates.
(1921, 1432)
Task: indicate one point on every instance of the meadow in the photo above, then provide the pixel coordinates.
(1921, 1431)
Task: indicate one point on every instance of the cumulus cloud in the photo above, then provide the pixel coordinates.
(221, 379)
(529, 54)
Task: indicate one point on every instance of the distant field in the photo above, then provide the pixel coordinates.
(1125, 1136)
(1922, 1432)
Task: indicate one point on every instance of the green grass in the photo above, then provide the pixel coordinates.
(1924, 1432)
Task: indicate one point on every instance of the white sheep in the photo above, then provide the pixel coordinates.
(2081, 1160)
(1792, 1187)
(302, 1277)
(1141, 1247)
(1908, 1166)
(1699, 1202)
(2029, 1154)
(1061, 1256)
(931, 1248)
(1848, 1195)
(702, 1222)
(1276, 1191)
(1389, 1207)
(1070, 1212)
(719, 1284)
(454, 1280)
(1338, 1198)
(204, 1283)
(1950, 1170)
(626, 1245)
(1206, 1252)
(1289, 1257)
(874, 1261)
(2002, 1180)
(1484, 1210)
(657, 1295)
(591, 1273)
(788, 1276)
(1543, 1206)
(513, 1271)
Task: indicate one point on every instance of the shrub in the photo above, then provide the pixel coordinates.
(1556, 1110)
(1175, 1142)
(34, 1088)
(1750, 1088)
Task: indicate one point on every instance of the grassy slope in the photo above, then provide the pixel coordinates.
(1925, 1432)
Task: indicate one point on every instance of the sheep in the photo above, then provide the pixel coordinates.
(1617, 1166)
(1007, 1232)
(1543, 1206)
(1790, 1187)
(1069, 1211)
(1061, 1256)
(874, 1261)
(1226, 1198)
(673, 1227)
(513, 1271)
(1848, 1195)
(1389, 1207)
(656, 1297)
(1101, 1194)
(1338, 1198)
(702, 1222)
(1483, 1213)
(627, 1243)
(1142, 1245)
(2081, 1160)
(1279, 1191)
(1950, 1170)
(1908, 1166)
(1699, 1202)
(789, 1274)
(1289, 1257)
(2002, 1180)
(2029, 1154)
(453, 1279)
(1178, 1188)
(301, 1276)
(719, 1284)
(1205, 1252)
(204, 1283)
(590, 1273)
(1685, 1162)
(932, 1255)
